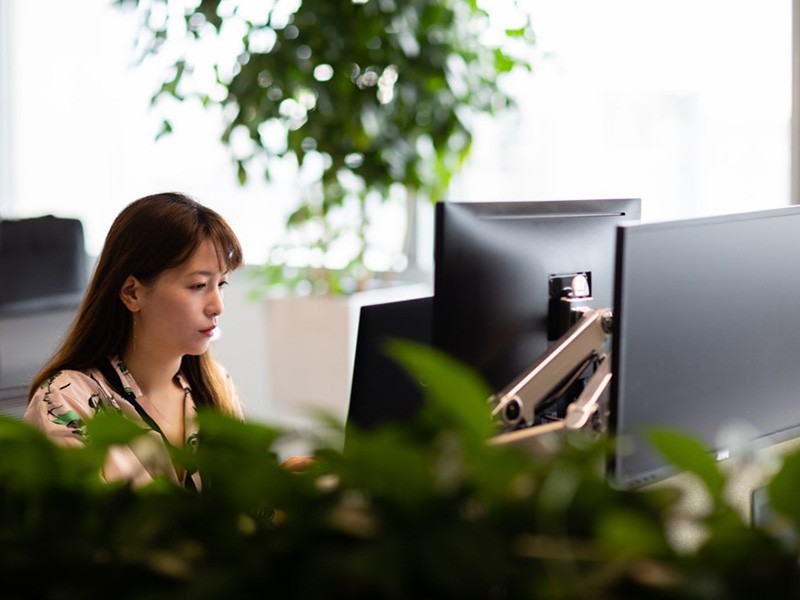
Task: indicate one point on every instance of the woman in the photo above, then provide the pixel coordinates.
(140, 342)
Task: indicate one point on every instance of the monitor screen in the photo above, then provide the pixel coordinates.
(704, 336)
(382, 392)
(494, 268)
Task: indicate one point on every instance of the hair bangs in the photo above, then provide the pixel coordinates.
(226, 244)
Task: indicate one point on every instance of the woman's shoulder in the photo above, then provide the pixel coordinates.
(66, 378)
(76, 388)
(64, 400)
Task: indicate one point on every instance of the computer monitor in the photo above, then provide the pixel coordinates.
(495, 264)
(705, 336)
(382, 392)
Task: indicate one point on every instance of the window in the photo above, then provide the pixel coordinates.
(685, 104)
(82, 137)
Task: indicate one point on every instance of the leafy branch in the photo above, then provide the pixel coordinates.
(361, 97)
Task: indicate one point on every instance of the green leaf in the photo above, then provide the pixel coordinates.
(241, 172)
(27, 458)
(517, 33)
(453, 389)
(109, 428)
(687, 453)
(630, 533)
(166, 129)
(782, 490)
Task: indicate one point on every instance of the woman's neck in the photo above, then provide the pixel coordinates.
(151, 372)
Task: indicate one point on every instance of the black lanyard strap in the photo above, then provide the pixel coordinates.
(112, 377)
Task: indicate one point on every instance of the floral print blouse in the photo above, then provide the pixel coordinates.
(65, 401)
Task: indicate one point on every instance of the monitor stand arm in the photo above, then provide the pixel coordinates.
(584, 343)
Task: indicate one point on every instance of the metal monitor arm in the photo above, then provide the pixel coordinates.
(581, 346)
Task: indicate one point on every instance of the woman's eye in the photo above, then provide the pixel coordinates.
(223, 284)
(198, 286)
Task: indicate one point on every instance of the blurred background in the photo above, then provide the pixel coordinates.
(686, 104)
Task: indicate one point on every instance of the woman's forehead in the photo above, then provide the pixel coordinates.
(206, 259)
(207, 254)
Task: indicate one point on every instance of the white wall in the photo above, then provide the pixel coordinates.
(242, 346)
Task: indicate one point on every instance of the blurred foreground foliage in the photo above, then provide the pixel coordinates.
(427, 510)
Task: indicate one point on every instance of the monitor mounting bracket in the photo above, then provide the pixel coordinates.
(581, 347)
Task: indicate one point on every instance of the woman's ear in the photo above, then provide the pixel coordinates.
(131, 293)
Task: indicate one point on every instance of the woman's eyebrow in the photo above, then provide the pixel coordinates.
(208, 273)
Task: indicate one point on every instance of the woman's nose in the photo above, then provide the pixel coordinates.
(216, 304)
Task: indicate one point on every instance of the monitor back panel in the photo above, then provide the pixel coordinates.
(382, 392)
(493, 263)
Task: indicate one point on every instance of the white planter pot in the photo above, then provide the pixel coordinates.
(311, 345)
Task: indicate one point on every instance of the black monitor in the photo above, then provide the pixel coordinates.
(705, 338)
(382, 392)
(495, 265)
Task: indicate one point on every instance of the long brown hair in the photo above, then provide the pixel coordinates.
(150, 235)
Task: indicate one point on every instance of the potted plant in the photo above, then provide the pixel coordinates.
(427, 511)
(372, 102)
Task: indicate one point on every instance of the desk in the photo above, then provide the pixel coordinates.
(27, 340)
(13, 401)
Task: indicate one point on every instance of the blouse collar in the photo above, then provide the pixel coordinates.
(130, 383)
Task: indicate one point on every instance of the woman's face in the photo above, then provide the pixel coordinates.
(179, 311)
